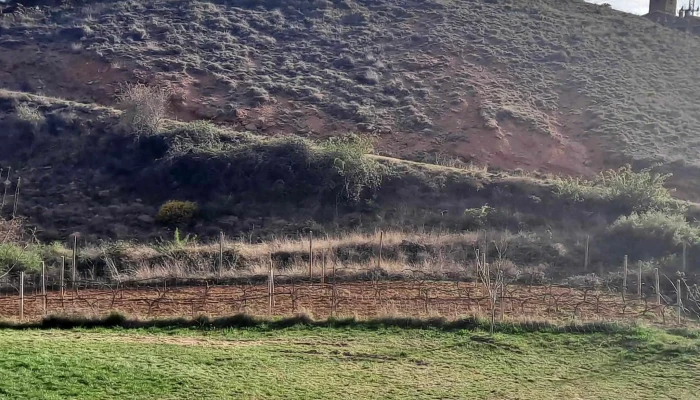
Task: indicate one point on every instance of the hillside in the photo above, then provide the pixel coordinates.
(262, 96)
(555, 86)
(84, 174)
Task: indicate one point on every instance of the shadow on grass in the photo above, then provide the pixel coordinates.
(116, 320)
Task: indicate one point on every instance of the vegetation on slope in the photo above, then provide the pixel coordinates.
(303, 362)
(84, 175)
(450, 71)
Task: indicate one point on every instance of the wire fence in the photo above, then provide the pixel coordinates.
(370, 294)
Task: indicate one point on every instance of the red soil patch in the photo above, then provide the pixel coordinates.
(63, 74)
(460, 130)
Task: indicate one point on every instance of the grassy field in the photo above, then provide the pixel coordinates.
(316, 363)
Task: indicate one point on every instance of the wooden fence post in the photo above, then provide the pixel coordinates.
(6, 184)
(586, 255)
(334, 272)
(323, 269)
(311, 255)
(502, 304)
(485, 271)
(477, 270)
(21, 296)
(62, 277)
(381, 245)
(43, 285)
(684, 257)
(75, 261)
(657, 286)
(334, 294)
(221, 253)
(679, 301)
(624, 279)
(16, 199)
(639, 281)
(271, 287)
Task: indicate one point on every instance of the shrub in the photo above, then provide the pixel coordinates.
(651, 234)
(574, 189)
(145, 108)
(285, 168)
(627, 190)
(28, 118)
(656, 224)
(177, 243)
(258, 95)
(18, 258)
(642, 191)
(477, 217)
(29, 114)
(349, 159)
(195, 135)
(176, 212)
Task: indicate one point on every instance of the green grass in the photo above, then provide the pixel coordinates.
(318, 363)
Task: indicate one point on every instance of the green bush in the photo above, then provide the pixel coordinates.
(354, 170)
(285, 168)
(655, 224)
(176, 212)
(195, 135)
(642, 191)
(477, 217)
(18, 258)
(177, 243)
(626, 190)
(650, 234)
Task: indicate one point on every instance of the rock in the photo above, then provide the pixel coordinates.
(251, 127)
(147, 219)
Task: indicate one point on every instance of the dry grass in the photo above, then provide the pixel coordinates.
(197, 266)
(350, 255)
(145, 108)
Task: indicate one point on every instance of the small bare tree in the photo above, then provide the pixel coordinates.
(145, 108)
(10, 230)
(492, 283)
(12, 245)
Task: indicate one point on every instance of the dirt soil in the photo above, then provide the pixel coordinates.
(358, 299)
(459, 130)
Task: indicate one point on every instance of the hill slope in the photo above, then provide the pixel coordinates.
(559, 86)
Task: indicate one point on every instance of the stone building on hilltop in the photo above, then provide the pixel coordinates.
(665, 12)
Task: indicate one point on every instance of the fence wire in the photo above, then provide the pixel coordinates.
(368, 294)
